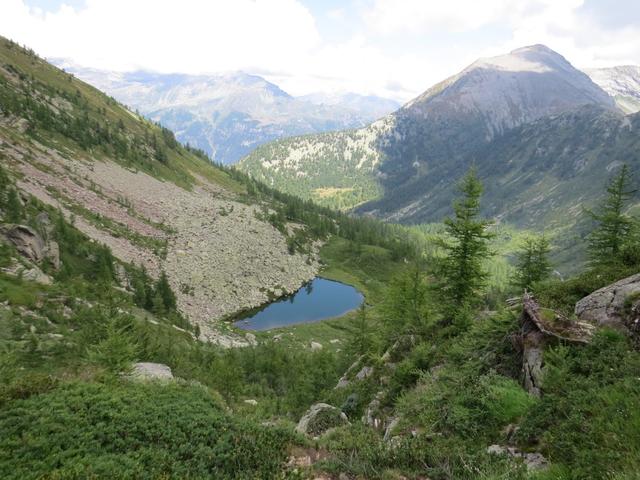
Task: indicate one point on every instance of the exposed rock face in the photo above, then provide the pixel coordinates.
(151, 371)
(609, 306)
(372, 415)
(31, 273)
(345, 379)
(26, 240)
(30, 244)
(365, 372)
(533, 343)
(622, 83)
(53, 254)
(390, 427)
(320, 418)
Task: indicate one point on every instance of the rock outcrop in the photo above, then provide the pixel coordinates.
(30, 244)
(613, 306)
(27, 241)
(320, 418)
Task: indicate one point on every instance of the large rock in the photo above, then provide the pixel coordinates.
(320, 418)
(151, 371)
(30, 244)
(26, 240)
(611, 306)
(52, 253)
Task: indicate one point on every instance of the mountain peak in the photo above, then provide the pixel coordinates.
(538, 47)
(508, 90)
(533, 58)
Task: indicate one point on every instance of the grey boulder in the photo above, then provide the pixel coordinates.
(151, 371)
(611, 306)
(320, 418)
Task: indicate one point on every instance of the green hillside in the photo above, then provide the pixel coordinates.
(320, 170)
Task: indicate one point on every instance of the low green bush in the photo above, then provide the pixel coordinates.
(128, 430)
(589, 416)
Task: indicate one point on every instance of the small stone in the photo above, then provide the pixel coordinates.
(496, 450)
(364, 373)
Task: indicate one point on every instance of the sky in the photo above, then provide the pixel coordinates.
(391, 48)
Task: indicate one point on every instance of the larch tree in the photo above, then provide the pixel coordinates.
(463, 273)
(532, 263)
(614, 226)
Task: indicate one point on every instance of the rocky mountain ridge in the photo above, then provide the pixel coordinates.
(500, 114)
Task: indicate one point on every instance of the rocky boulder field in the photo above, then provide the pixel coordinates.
(219, 256)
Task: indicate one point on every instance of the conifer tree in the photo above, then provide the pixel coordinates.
(532, 262)
(13, 207)
(117, 351)
(164, 292)
(361, 340)
(614, 227)
(463, 273)
(104, 269)
(405, 307)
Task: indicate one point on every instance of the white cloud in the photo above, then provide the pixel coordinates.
(396, 48)
(187, 36)
(421, 16)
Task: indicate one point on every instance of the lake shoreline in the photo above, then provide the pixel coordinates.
(317, 300)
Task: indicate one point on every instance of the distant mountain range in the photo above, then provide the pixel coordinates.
(622, 83)
(543, 135)
(229, 115)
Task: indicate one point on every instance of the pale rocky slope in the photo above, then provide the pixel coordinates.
(216, 246)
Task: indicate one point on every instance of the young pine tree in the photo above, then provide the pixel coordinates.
(361, 337)
(463, 274)
(163, 291)
(14, 211)
(614, 227)
(116, 351)
(405, 309)
(533, 263)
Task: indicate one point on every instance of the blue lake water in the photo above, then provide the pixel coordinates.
(318, 300)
